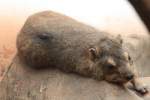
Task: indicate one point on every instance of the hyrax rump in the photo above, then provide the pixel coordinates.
(49, 39)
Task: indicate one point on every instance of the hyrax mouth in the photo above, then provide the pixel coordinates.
(119, 79)
(123, 80)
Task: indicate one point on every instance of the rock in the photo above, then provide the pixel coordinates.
(22, 83)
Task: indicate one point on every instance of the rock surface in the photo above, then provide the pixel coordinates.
(22, 83)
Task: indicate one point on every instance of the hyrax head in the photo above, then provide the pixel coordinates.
(113, 60)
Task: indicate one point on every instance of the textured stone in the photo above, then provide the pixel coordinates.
(23, 83)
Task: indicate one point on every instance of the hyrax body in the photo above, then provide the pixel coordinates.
(50, 39)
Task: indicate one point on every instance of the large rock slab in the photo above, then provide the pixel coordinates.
(22, 83)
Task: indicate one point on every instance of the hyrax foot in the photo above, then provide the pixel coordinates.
(140, 87)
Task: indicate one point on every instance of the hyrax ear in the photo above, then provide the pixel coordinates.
(93, 53)
(119, 39)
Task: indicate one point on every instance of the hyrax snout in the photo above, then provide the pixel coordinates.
(116, 64)
(49, 39)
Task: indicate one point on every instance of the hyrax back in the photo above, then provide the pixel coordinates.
(49, 39)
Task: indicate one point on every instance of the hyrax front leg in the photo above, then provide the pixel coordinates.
(139, 86)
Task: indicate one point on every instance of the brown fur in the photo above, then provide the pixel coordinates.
(50, 39)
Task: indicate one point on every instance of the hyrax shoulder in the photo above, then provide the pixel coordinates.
(49, 39)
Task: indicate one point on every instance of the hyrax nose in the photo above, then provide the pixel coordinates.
(129, 76)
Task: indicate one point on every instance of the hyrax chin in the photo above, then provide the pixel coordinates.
(49, 39)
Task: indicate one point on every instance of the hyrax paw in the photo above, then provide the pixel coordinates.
(142, 89)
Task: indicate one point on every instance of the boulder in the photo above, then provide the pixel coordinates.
(23, 83)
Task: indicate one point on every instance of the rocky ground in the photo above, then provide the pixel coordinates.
(23, 83)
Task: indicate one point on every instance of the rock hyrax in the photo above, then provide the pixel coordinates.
(49, 39)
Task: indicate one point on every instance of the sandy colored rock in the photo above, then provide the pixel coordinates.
(23, 83)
